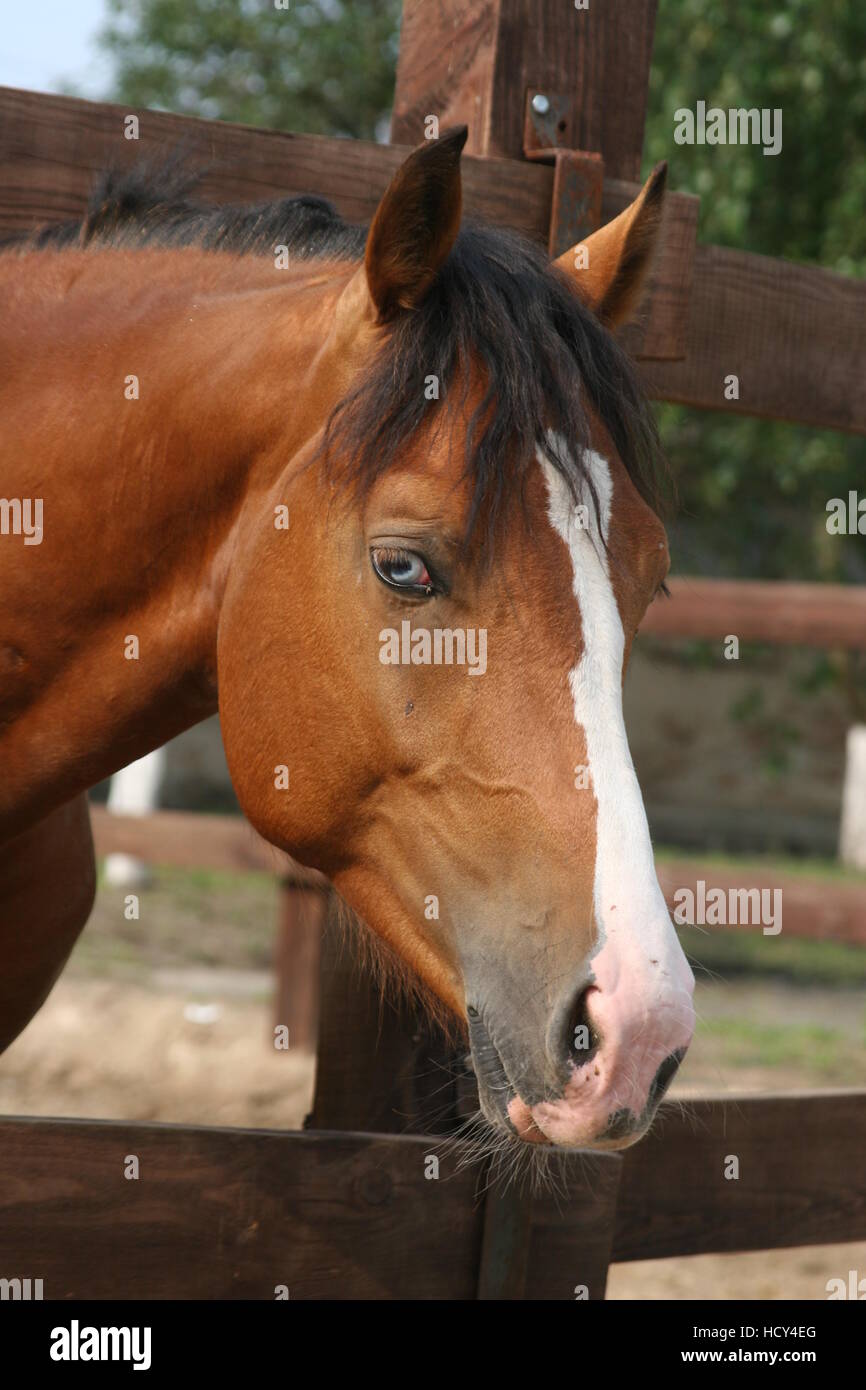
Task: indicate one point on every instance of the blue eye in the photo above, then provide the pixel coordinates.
(402, 569)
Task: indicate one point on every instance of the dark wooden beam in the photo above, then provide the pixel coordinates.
(381, 1065)
(505, 1243)
(572, 1228)
(232, 1214)
(802, 1180)
(444, 69)
(793, 335)
(52, 148)
(301, 915)
(776, 611)
(479, 64)
(225, 1213)
(553, 1243)
(473, 61)
(661, 327)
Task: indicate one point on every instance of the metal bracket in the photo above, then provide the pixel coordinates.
(578, 177)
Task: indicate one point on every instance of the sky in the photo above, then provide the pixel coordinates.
(45, 43)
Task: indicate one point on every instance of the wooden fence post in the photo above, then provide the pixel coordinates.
(381, 1066)
(505, 1244)
(470, 62)
(301, 908)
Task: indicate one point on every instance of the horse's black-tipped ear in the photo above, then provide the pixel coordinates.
(415, 225)
(610, 268)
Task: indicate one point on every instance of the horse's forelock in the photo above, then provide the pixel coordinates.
(497, 315)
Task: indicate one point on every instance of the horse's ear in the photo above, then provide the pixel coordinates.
(610, 267)
(415, 225)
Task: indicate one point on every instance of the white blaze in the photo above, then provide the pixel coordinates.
(638, 963)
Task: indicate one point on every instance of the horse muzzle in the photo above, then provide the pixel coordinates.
(599, 1069)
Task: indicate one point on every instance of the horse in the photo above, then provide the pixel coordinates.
(300, 473)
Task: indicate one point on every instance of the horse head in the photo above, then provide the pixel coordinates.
(420, 681)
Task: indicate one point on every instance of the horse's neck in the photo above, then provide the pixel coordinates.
(155, 397)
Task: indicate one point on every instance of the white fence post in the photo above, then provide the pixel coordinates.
(134, 792)
(852, 832)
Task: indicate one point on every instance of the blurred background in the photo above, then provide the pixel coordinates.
(169, 1016)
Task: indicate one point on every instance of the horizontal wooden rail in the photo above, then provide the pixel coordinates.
(802, 1179)
(190, 840)
(228, 1213)
(794, 335)
(775, 611)
(52, 147)
(812, 908)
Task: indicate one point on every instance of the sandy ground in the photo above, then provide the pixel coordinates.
(175, 1025)
(107, 1049)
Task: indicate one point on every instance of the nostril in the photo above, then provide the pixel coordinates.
(582, 1038)
(664, 1076)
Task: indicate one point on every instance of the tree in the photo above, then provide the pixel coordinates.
(753, 493)
(318, 66)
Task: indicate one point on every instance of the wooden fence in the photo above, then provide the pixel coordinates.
(220, 1213)
(825, 910)
(229, 1213)
(225, 1213)
(776, 611)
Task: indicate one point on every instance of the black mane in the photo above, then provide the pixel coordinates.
(154, 205)
(496, 302)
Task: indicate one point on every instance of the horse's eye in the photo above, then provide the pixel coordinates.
(402, 569)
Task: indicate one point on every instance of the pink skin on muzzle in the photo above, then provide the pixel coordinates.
(641, 1007)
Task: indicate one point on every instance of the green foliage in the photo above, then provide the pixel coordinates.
(320, 66)
(753, 493)
(824, 1052)
(806, 57)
